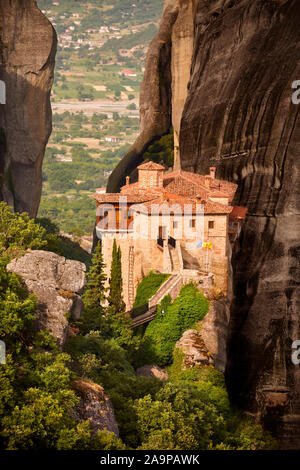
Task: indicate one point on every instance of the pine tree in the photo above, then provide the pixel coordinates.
(115, 299)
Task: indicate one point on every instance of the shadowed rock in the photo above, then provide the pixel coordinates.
(239, 117)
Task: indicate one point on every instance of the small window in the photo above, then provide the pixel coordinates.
(175, 224)
(193, 223)
(144, 181)
(151, 181)
(211, 224)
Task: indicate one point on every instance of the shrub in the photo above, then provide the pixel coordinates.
(170, 323)
(190, 415)
(105, 362)
(18, 232)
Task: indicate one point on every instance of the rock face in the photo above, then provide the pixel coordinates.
(56, 282)
(154, 372)
(239, 117)
(194, 349)
(214, 332)
(164, 88)
(27, 55)
(208, 345)
(94, 406)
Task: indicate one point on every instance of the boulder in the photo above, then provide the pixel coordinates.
(153, 371)
(94, 406)
(57, 283)
(194, 349)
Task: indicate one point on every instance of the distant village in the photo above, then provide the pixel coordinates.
(72, 38)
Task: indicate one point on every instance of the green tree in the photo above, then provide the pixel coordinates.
(132, 106)
(115, 298)
(17, 311)
(18, 232)
(94, 296)
(162, 150)
(188, 416)
(36, 391)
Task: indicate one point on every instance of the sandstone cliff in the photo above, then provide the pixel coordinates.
(239, 117)
(27, 54)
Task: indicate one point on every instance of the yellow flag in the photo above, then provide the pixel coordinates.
(207, 245)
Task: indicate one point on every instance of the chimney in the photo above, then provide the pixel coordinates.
(207, 181)
(127, 180)
(212, 172)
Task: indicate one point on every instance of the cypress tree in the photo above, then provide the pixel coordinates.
(115, 299)
(94, 296)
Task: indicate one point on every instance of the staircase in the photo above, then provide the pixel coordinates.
(166, 288)
(174, 260)
(171, 286)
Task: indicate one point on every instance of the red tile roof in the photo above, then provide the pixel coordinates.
(180, 204)
(150, 166)
(114, 198)
(179, 187)
(192, 183)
